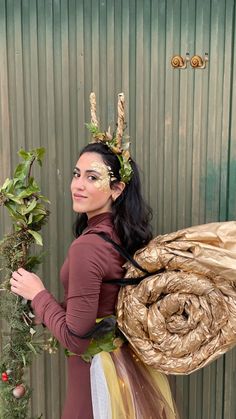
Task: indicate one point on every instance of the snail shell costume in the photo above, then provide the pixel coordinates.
(184, 317)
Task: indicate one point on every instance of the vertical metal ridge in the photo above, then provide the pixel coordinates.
(232, 131)
(5, 143)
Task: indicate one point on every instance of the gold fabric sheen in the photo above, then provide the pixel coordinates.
(180, 320)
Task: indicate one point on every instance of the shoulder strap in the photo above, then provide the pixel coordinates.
(123, 252)
(126, 256)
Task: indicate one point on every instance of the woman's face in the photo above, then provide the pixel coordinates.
(90, 186)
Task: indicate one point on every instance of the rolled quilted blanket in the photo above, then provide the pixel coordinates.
(182, 319)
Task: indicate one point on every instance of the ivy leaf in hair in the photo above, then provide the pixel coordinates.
(92, 128)
(125, 169)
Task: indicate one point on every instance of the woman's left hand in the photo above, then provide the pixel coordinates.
(26, 284)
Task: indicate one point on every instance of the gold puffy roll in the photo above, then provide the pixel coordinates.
(183, 318)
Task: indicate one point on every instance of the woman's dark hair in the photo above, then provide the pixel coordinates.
(131, 214)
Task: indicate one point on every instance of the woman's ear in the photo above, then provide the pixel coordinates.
(117, 190)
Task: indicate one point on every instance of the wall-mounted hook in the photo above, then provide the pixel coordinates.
(197, 62)
(178, 62)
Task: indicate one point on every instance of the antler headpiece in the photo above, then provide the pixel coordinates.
(116, 142)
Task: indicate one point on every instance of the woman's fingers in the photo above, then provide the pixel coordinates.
(16, 275)
(21, 271)
(13, 281)
(26, 284)
(14, 286)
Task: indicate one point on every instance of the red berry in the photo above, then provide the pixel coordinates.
(4, 376)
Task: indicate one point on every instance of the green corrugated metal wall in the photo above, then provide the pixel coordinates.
(52, 54)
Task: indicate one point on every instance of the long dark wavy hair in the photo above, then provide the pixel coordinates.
(131, 214)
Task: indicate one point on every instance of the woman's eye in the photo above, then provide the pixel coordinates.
(93, 178)
(76, 174)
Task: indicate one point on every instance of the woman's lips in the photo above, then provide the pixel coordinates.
(78, 196)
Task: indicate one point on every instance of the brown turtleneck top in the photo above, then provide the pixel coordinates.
(90, 261)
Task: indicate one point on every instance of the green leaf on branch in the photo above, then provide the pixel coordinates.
(13, 198)
(44, 199)
(24, 154)
(33, 262)
(27, 192)
(35, 218)
(23, 359)
(37, 237)
(40, 209)
(39, 154)
(11, 206)
(30, 219)
(22, 170)
(31, 347)
(8, 182)
(25, 209)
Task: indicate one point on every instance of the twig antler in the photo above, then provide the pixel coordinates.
(94, 120)
(121, 118)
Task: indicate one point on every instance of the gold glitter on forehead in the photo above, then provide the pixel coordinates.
(103, 183)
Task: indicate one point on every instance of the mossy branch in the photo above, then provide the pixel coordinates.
(27, 210)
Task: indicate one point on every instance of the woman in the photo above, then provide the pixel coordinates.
(106, 194)
(105, 204)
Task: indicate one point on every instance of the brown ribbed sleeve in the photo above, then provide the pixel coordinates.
(87, 265)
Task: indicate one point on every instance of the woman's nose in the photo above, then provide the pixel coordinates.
(78, 183)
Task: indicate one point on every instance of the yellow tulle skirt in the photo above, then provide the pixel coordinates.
(124, 388)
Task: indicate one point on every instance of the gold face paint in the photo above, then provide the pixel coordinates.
(103, 183)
